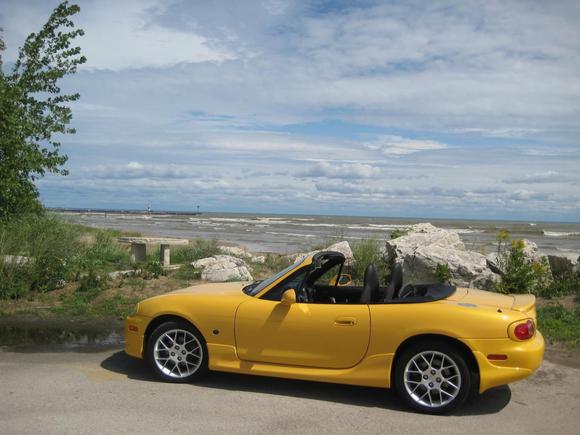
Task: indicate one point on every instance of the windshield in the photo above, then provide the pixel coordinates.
(255, 288)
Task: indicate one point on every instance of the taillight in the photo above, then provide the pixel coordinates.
(526, 330)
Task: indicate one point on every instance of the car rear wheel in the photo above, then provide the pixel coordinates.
(432, 378)
(177, 352)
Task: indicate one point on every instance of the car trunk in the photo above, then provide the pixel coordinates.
(521, 303)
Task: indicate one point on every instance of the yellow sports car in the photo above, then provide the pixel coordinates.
(435, 344)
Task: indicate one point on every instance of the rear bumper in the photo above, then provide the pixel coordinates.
(135, 327)
(523, 358)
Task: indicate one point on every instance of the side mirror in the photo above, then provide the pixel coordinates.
(288, 297)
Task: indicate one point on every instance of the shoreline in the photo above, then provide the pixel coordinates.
(286, 234)
(81, 210)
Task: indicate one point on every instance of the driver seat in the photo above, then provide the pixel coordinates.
(395, 283)
(370, 291)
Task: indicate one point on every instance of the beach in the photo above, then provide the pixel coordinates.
(295, 233)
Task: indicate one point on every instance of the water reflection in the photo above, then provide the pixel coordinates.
(42, 336)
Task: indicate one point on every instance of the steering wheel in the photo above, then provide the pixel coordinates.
(407, 291)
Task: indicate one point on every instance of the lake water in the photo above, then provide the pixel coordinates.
(295, 233)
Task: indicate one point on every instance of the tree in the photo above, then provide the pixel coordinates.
(33, 111)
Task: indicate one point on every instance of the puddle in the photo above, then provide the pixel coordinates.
(38, 335)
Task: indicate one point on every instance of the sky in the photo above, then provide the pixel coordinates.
(441, 109)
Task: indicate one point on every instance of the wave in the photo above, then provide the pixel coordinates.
(290, 234)
(465, 231)
(560, 234)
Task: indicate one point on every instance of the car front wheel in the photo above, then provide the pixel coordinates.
(432, 378)
(176, 352)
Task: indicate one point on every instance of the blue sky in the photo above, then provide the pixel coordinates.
(465, 109)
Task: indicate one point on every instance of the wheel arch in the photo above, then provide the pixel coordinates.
(161, 319)
(430, 338)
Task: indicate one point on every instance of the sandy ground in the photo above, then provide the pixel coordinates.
(108, 392)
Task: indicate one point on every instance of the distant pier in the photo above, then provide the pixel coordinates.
(120, 211)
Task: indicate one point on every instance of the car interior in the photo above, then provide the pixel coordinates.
(312, 285)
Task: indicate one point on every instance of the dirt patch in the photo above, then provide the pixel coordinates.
(557, 353)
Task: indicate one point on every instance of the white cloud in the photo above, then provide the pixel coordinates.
(539, 178)
(369, 100)
(343, 171)
(398, 146)
(121, 35)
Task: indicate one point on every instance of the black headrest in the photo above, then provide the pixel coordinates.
(395, 283)
(370, 286)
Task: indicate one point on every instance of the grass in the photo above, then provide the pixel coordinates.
(54, 252)
(187, 274)
(91, 304)
(366, 252)
(560, 324)
(196, 250)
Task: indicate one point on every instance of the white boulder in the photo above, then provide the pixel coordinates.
(342, 247)
(426, 246)
(220, 268)
(259, 259)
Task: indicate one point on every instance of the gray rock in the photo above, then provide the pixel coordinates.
(467, 268)
(564, 264)
(259, 259)
(425, 246)
(16, 260)
(221, 268)
(342, 247)
(124, 273)
(532, 253)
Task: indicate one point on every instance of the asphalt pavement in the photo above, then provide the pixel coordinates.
(108, 392)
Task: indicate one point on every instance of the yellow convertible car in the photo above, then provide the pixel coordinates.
(435, 344)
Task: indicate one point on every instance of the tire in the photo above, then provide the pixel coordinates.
(173, 361)
(433, 378)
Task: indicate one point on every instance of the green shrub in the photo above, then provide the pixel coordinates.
(92, 281)
(53, 255)
(197, 250)
(105, 251)
(365, 252)
(561, 286)
(396, 233)
(50, 247)
(520, 275)
(443, 273)
(151, 269)
(276, 262)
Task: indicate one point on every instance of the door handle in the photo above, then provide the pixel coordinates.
(345, 321)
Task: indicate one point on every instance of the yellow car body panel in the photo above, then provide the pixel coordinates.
(310, 335)
(341, 343)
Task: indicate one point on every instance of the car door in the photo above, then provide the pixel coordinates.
(302, 334)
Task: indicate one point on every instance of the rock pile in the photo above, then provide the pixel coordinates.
(425, 246)
(220, 268)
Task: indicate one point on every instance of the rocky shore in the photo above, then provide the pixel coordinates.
(420, 251)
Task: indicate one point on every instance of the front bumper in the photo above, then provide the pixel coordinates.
(523, 358)
(135, 327)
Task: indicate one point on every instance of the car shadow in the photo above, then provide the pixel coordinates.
(490, 402)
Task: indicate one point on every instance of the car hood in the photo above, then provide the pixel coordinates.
(213, 289)
(521, 303)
